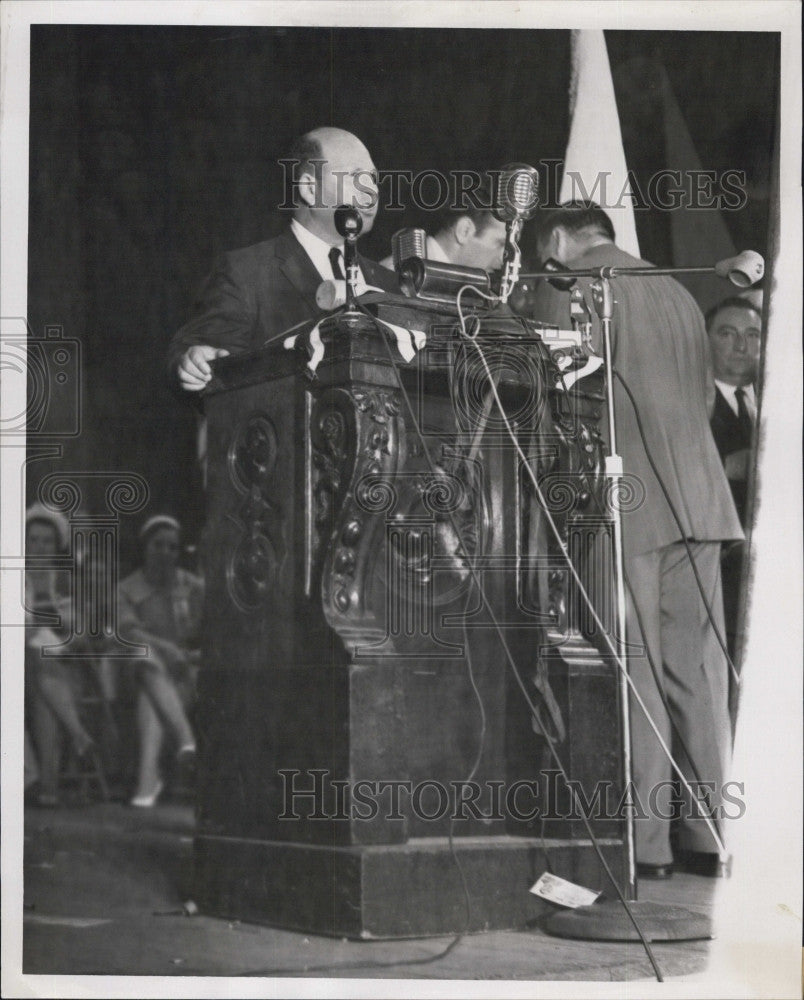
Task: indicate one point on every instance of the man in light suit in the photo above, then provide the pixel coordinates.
(734, 328)
(659, 349)
(256, 293)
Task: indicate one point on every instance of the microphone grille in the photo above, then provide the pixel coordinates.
(517, 192)
(407, 243)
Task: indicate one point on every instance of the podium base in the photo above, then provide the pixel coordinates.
(606, 920)
(388, 891)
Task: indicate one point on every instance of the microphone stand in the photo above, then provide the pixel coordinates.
(349, 225)
(606, 920)
(604, 307)
(350, 266)
(743, 270)
(512, 259)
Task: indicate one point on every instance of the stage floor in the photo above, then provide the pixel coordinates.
(105, 887)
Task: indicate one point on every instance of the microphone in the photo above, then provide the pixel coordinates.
(349, 224)
(432, 281)
(744, 270)
(407, 243)
(517, 193)
(515, 201)
(561, 283)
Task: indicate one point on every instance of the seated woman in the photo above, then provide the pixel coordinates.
(160, 606)
(51, 684)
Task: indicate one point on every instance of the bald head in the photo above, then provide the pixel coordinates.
(336, 142)
(332, 168)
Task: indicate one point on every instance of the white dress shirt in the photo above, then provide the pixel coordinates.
(434, 251)
(728, 392)
(318, 252)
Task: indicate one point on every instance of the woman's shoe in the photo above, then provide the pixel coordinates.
(147, 801)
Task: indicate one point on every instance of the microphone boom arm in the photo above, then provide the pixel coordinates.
(744, 270)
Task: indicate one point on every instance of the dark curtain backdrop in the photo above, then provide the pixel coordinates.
(154, 148)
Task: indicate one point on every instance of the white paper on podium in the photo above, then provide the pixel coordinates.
(408, 342)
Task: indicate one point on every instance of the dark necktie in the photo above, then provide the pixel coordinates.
(746, 423)
(335, 261)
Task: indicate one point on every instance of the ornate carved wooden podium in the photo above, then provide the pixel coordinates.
(348, 650)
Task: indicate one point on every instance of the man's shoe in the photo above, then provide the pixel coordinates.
(703, 863)
(645, 870)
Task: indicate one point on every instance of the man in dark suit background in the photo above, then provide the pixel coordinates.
(659, 348)
(256, 293)
(734, 328)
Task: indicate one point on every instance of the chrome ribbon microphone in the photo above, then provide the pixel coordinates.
(516, 198)
(517, 193)
(349, 224)
(433, 281)
(430, 280)
(406, 244)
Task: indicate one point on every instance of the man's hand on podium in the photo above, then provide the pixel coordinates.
(194, 371)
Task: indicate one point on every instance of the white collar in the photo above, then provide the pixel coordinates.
(316, 249)
(728, 391)
(435, 251)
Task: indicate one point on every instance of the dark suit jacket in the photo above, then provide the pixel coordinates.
(256, 293)
(730, 436)
(659, 346)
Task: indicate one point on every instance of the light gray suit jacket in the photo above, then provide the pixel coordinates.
(659, 347)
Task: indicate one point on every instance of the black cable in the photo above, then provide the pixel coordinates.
(549, 739)
(534, 711)
(677, 519)
(512, 663)
(651, 661)
(358, 965)
(472, 772)
(537, 417)
(654, 669)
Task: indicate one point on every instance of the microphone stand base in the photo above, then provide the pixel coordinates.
(606, 920)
